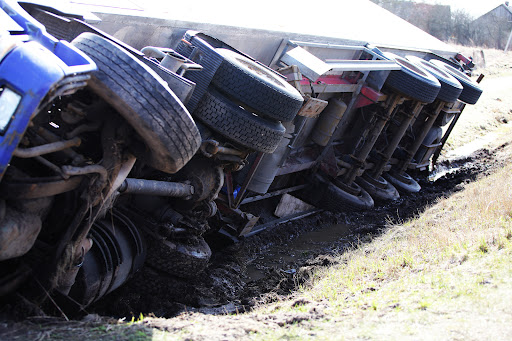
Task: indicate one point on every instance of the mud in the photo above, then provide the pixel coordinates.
(273, 263)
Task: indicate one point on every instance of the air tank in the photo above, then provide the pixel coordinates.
(269, 164)
(328, 121)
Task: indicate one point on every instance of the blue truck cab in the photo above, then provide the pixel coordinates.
(35, 68)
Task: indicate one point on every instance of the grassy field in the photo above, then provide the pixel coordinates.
(446, 274)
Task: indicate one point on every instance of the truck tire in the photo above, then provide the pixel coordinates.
(239, 125)
(412, 80)
(403, 182)
(471, 92)
(145, 101)
(185, 259)
(335, 199)
(248, 82)
(450, 86)
(382, 191)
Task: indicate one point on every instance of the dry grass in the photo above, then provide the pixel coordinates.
(445, 274)
(494, 106)
(477, 220)
(491, 62)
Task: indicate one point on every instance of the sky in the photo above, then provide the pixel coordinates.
(474, 7)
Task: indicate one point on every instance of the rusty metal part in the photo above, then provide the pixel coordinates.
(247, 180)
(273, 194)
(51, 137)
(124, 170)
(229, 187)
(293, 76)
(386, 154)
(328, 121)
(33, 190)
(360, 155)
(312, 107)
(100, 170)
(46, 148)
(67, 280)
(205, 175)
(212, 147)
(262, 227)
(154, 187)
(18, 233)
(207, 182)
(239, 221)
(78, 229)
(403, 163)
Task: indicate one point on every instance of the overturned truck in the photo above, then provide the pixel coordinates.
(114, 158)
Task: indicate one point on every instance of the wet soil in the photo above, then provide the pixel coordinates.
(273, 263)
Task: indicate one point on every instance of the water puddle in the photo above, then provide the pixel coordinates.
(441, 171)
(283, 257)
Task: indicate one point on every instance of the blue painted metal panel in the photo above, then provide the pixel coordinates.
(34, 69)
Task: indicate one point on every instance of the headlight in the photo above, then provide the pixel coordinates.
(9, 101)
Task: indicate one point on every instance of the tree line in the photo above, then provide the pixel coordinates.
(457, 26)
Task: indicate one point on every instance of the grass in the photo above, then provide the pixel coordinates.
(454, 259)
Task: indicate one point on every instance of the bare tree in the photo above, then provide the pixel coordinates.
(462, 31)
(436, 20)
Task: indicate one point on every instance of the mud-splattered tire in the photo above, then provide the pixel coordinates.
(145, 101)
(183, 259)
(450, 86)
(471, 92)
(412, 80)
(253, 85)
(237, 124)
(337, 200)
(382, 191)
(404, 183)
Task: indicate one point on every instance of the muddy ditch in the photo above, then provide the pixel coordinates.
(273, 263)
